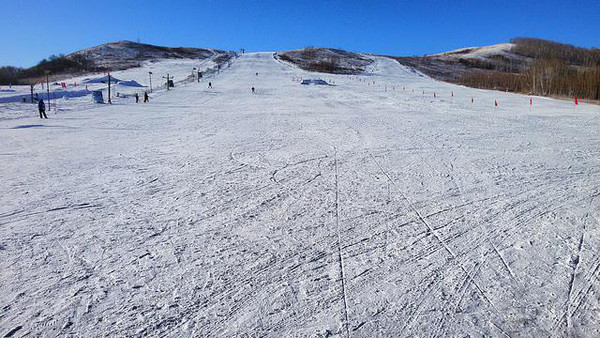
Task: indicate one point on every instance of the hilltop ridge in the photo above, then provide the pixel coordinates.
(125, 54)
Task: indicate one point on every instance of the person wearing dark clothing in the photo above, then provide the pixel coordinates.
(210, 85)
(42, 109)
(146, 98)
(253, 90)
(137, 98)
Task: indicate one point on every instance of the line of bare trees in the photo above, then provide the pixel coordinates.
(55, 64)
(555, 69)
(544, 49)
(544, 77)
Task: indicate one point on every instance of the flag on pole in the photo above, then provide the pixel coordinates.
(452, 93)
(530, 101)
(576, 101)
(496, 103)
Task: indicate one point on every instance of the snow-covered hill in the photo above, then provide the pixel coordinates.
(127, 54)
(386, 205)
(486, 52)
(325, 60)
(452, 65)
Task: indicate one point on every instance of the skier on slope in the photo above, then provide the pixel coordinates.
(42, 109)
(137, 98)
(210, 85)
(146, 98)
(253, 90)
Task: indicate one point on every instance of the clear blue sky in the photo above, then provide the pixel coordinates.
(34, 29)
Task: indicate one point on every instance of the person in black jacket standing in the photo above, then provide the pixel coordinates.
(42, 109)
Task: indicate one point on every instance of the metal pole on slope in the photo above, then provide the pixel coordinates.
(109, 100)
(150, 74)
(193, 72)
(168, 84)
(48, 87)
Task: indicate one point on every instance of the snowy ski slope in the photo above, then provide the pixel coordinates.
(362, 209)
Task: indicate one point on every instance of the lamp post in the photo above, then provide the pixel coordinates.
(168, 83)
(150, 74)
(48, 87)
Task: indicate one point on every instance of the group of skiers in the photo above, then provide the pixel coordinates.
(253, 89)
(42, 105)
(137, 97)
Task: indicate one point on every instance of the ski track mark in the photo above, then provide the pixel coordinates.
(437, 236)
(568, 313)
(339, 245)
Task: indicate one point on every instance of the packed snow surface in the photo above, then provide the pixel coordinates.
(369, 208)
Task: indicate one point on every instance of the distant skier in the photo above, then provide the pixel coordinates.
(253, 90)
(210, 85)
(42, 109)
(257, 74)
(137, 98)
(146, 98)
